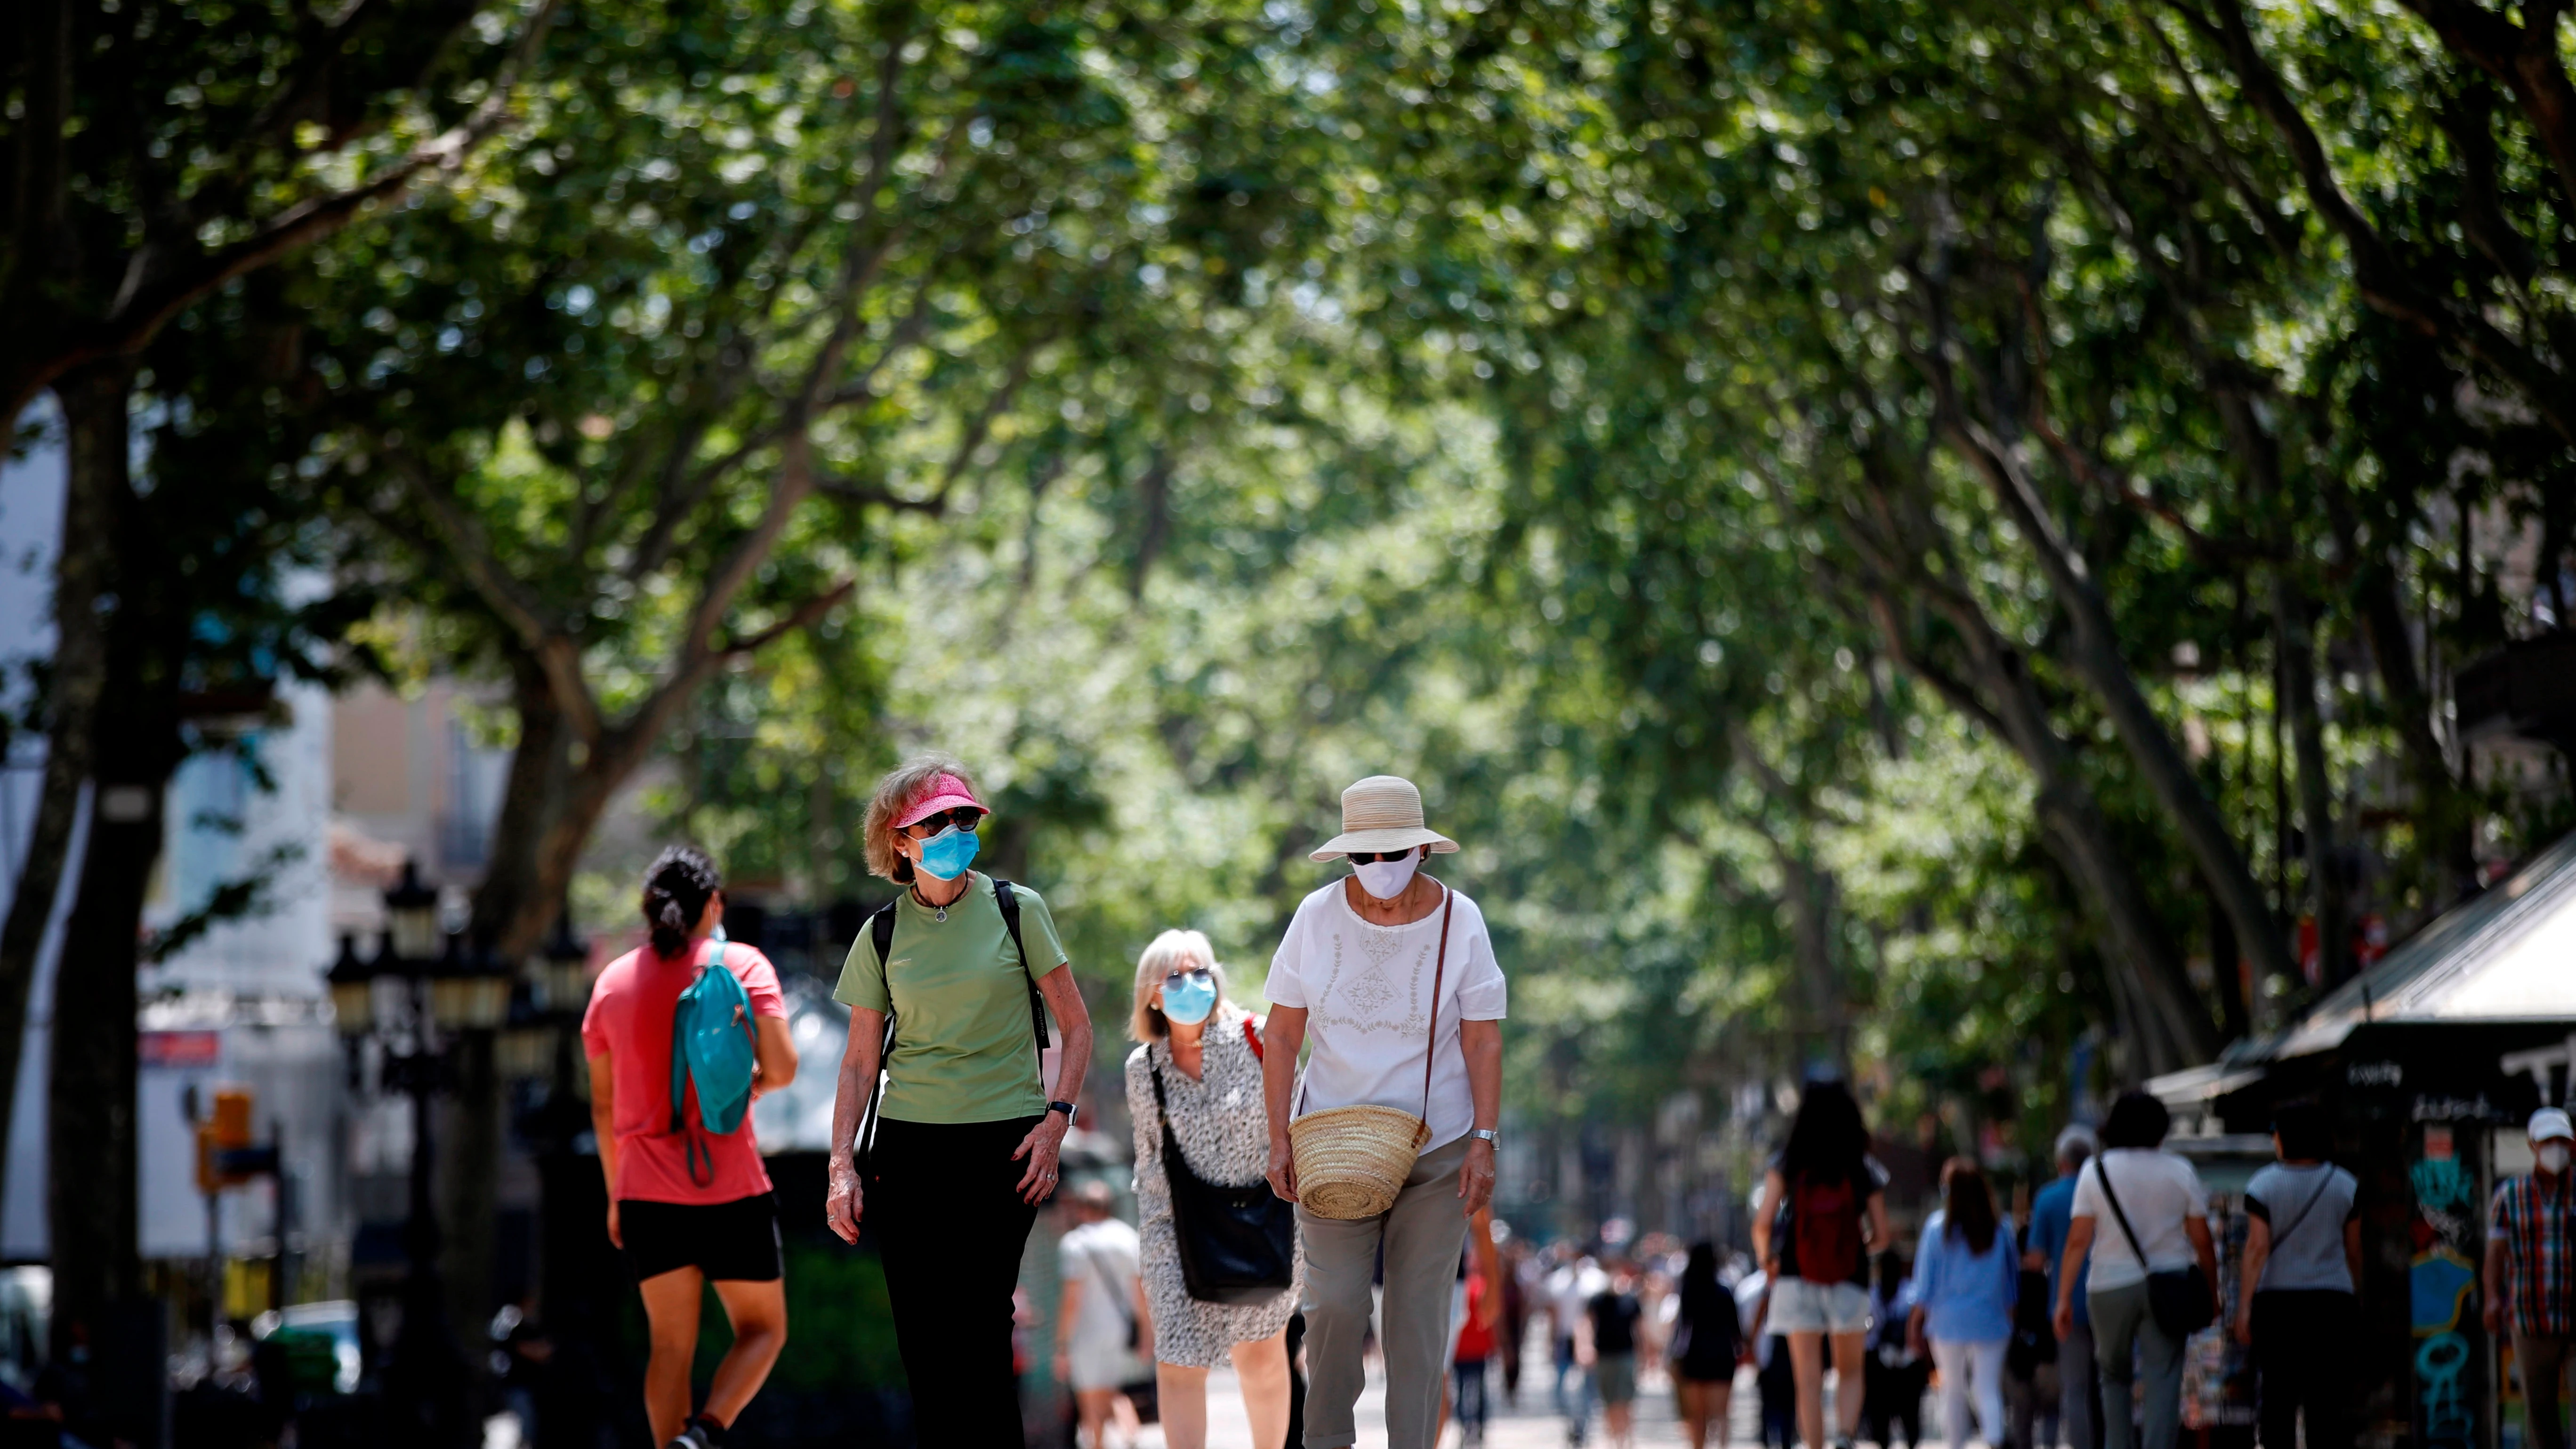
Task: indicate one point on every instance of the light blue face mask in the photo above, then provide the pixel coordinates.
(946, 855)
(1187, 999)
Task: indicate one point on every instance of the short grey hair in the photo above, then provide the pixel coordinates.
(2076, 1144)
(1167, 952)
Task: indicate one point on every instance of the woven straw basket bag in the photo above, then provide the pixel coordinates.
(1352, 1161)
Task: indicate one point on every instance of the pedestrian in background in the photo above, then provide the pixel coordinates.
(1390, 1027)
(2031, 1389)
(1707, 1344)
(1776, 1387)
(1481, 1257)
(1898, 1369)
(2531, 1272)
(1967, 1277)
(2138, 1210)
(1207, 1052)
(1570, 1288)
(965, 1139)
(688, 1207)
(1824, 1211)
(1520, 1273)
(1606, 1345)
(1097, 1321)
(2303, 1265)
(1480, 1310)
(2052, 1217)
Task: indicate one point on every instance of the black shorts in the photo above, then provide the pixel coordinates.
(734, 1242)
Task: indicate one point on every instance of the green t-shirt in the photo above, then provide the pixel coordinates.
(963, 1049)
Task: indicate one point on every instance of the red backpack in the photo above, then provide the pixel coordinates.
(1823, 1218)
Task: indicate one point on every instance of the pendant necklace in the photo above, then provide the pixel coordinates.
(937, 913)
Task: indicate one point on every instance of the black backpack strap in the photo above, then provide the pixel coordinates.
(1010, 904)
(881, 933)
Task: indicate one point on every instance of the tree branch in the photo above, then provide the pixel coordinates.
(2525, 59)
(858, 390)
(2384, 279)
(554, 649)
(804, 616)
(157, 289)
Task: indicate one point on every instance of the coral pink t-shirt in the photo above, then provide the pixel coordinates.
(630, 1018)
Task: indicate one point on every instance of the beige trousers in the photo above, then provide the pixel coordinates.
(1422, 1236)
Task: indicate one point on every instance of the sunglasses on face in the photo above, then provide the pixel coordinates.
(964, 817)
(1371, 857)
(1196, 974)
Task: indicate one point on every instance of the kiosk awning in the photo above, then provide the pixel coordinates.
(2508, 955)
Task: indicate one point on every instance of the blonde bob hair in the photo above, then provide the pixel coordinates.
(901, 786)
(1161, 958)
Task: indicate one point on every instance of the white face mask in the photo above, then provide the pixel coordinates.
(2553, 1158)
(1386, 879)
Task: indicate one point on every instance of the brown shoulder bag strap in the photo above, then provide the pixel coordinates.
(1439, 969)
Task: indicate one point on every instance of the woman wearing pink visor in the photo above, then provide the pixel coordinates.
(947, 1162)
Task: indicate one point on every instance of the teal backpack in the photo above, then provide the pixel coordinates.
(712, 1048)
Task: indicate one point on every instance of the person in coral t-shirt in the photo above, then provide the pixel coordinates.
(680, 1229)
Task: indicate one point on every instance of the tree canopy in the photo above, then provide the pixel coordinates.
(1905, 536)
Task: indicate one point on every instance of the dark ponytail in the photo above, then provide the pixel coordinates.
(676, 891)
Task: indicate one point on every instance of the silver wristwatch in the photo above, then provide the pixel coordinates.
(1486, 1134)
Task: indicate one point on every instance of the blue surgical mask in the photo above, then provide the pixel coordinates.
(946, 855)
(1188, 999)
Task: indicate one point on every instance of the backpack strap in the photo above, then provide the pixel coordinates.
(881, 931)
(679, 1061)
(881, 934)
(1252, 1038)
(1010, 905)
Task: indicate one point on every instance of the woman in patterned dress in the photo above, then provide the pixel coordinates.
(1207, 1052)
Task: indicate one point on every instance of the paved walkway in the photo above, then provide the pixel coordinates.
(1531, 1425)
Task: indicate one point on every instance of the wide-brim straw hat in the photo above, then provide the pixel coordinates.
(1382, 812)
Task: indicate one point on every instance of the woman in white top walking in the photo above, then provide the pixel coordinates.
(1357, 972)
(2139, 1210)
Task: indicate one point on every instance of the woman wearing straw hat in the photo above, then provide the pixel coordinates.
(965, 1141)
(1387, 1141)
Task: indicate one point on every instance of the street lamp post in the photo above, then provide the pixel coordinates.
(423, 990)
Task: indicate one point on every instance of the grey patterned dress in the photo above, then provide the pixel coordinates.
(1226, 1138)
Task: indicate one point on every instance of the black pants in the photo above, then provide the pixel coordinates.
(943, 1209)
(1891, 1404)
(2303, 1356)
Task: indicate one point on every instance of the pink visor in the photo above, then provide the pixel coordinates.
(946, 793)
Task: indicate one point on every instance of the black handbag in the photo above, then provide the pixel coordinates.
(2179, 1299)
(1237, 1244)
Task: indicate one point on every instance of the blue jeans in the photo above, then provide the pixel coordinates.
(1576, 1408)
(1469, 1393)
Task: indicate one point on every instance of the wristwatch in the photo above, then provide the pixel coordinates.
(1487, 1134)
(1065, 1107)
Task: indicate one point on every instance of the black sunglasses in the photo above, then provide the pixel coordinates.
(1371, 857)
(964, 817)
